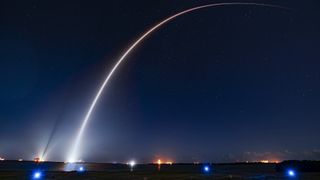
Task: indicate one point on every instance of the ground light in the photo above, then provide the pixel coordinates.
(37, 175)
(81, 169)
(131, 164)
(206, 168)
(291, 173)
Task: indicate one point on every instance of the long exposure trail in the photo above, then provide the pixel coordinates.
(74, 153)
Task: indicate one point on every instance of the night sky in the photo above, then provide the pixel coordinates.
(222, 84)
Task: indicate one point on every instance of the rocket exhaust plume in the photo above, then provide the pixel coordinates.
(74, 153)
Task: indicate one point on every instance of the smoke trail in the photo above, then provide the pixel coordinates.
(52, 133)
(74, 151)
(58, 121)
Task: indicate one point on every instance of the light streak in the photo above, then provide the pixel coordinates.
(75, 148)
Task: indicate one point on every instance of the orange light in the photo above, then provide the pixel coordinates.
(264, 161)
(169, 162)
(36, 160)
(159, 161)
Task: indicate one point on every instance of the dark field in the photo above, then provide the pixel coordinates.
(24, 170)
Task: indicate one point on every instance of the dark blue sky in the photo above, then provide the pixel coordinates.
(221, 84)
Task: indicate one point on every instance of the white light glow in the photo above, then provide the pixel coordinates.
(132, 163)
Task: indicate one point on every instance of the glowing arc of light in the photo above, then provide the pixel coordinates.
(73, 154)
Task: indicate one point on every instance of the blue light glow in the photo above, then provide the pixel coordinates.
(206, 169)
(291, 173)
(81, 169)
(37, 175)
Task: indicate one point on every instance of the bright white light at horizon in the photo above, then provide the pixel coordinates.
(132, 163)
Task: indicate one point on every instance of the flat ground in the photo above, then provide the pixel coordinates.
(145, 175)
(24, 170)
